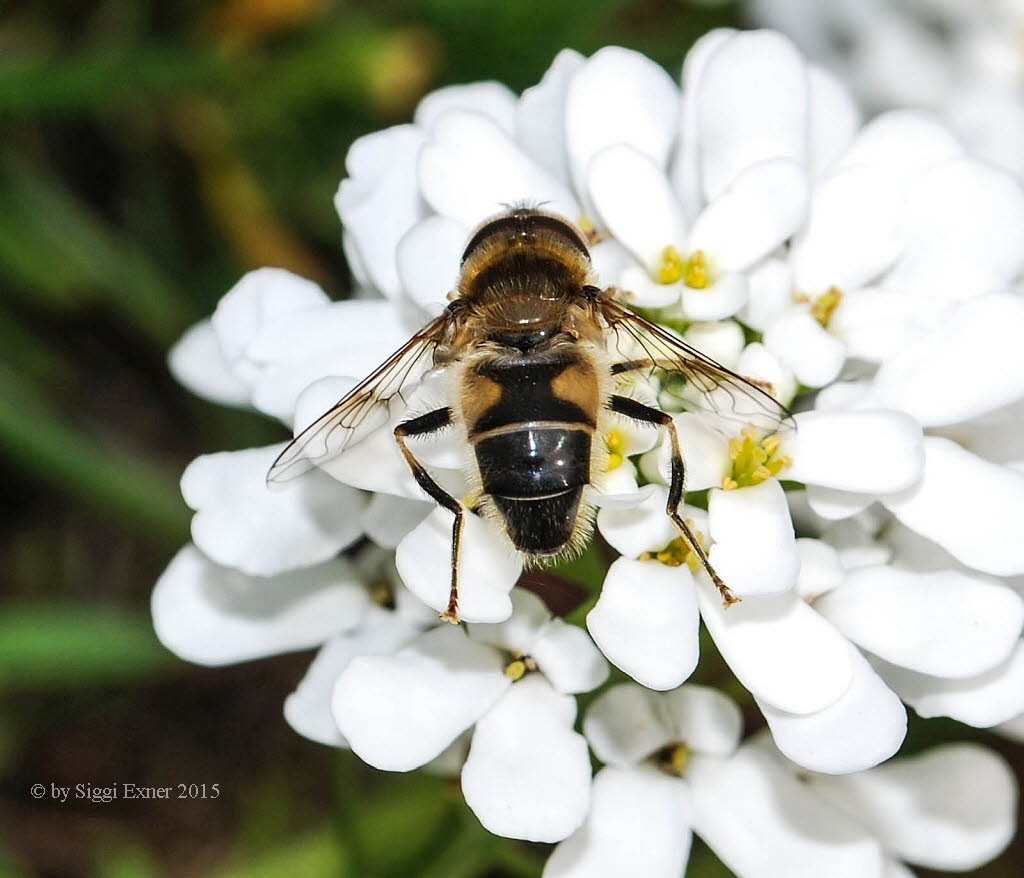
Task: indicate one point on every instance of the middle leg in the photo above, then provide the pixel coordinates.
(630, 408)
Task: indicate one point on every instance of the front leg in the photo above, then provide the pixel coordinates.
(630, 408)
(432, 422)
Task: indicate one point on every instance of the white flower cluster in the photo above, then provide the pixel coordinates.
(867, 273)
(961, 59)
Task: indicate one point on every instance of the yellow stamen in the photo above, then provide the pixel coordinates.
(755, 459)
(515, 670)
(381, 593)
(519, 667)
(616, 444)
(590, 231)
(672, 266)
(825, 305)
(678, 552)
(674, 759)
(697, 273)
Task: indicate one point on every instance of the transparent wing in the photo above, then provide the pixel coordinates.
(693, 377)
(365, 408)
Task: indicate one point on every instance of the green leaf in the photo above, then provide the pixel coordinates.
(69, 645)
(37, 439)
(316, 853)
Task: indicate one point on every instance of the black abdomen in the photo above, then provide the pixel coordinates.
(535, 476)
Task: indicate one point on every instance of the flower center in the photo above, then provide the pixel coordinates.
(382, 594)
(591, 233)
(615, 442)
(519, 666)
(695, 271)
(755, 459)
(822, 307)
(678, 552)
(673, 759)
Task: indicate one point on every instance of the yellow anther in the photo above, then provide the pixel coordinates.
(697, 272)
(515, 670)
(674, 759)
(672, 266)
(590, 231)
(381, 593)
(519, 667)
(678, 552)
(825, 305)
(615, 442)
(755, 459)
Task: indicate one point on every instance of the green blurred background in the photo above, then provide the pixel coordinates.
(151, 153)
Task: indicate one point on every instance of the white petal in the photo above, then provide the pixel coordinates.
(540, 115)
(241, 523)
(213, 615)
(787, 830)
(638, 825)
(877, 323)
(518, 632)
(344, 339)
(428, 261)
(308, 708)
(488, 567)
(379, 200)
(954, 481)
(752, 105)
(646, 622)
(705, 455)
(469, 169)
(627, 723)
(905, 142)
(969, 365)
(388, 519)
(619, 96)
(963, 224)
(759, 210)
(491, 99)
(528, 773)
(637, 529)
(196, 361)
(634, 200)
(259, 299)
(766, 641)
(686, 167)
(720, 300)
(803, 345)
(943, 623)
(703, 718)
(834, 118)
(754, 547)
(771, 293)
(820, 568)
(758, 362)
(399, 712)
(639, 289)
(864, 452)
(863, 728)
(722, 340)
(851, 232)
(983, 701)
(952, 807)
(568, 658)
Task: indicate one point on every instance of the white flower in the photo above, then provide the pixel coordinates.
(672, 764)
(527, 774)
(960, 59)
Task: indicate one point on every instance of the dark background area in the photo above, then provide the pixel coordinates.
(152, 153)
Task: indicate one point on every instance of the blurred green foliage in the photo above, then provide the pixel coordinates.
(151, 153)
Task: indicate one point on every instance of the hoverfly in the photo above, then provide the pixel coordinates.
(535, 354)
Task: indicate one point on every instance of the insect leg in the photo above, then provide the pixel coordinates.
(630, 408)
(431, 422)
